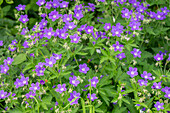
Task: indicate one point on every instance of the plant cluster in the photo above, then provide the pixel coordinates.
(99, 56)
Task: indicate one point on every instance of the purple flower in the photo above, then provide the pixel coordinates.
(89, 29)
(93, 96)
(49, 5)
(159, 105)
(132, 72)
(3, 94)
(43, 23)
(158, 57)
(56, 103)
(64, 4)
(156, 85)
(57, 56)
(67, 18)
(73, 96)
(20, 7)
(74, 38)
(55, 4)
(166, 89)
(121, 1)
(94, 81)
(18, 83)
(83, 68)
(74, 81)
(24, 80)
(159, 16)
(35, 87)
(50, 62)
(101, 0)
(8, 61)
(121, 56)
(30, 94)
(62, 34)
(78, 14)
(126, 13)
(1, 42)
(117, 30)
(107, 26)
(26, 44)
(141, 8)
(49, 32)
(61, 88)
(118, 46)
(4, 68)
(24, 31)
(70, 25)
(146, 75)
(167, 95)
(40, 2)
(134, 25)
(78, 7)
(42, 82)
(142, 82)
(136, 53)
(24, 18)
(54, 15)
(165, 10)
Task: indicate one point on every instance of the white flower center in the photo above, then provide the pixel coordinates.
(83, 69)
(74, 39)
(62, 34)
(146, 76)
(159, 106)
(24, 82)
(117, 32)
(68, 19)
(89, 30)
(93, 82)
(134, 27)
(24, 19)
(168, 95)
(50, 62)
(77, 14)
(35, 88)
(132, 72)
(159, 16)
(135, 54)
(62, 89)
(108, 27)
(73, 81)
(49, 33)
(64, 5)
(2, 95)
(54, 16)
(42, 3)
(157, 87)
(159, 58)
(126, 14)
(117, 47)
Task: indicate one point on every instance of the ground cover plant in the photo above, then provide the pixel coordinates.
(86, 56)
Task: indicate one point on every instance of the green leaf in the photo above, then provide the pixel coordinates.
(44, 106)
(126, 101)
(128, 91)
(19, 59)
(9, 1)
(1, 1)
(6, 9)
(104, 58)
(104, 97)
(81, 53)
(28, 66)
(83, 105)
(104, 52)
